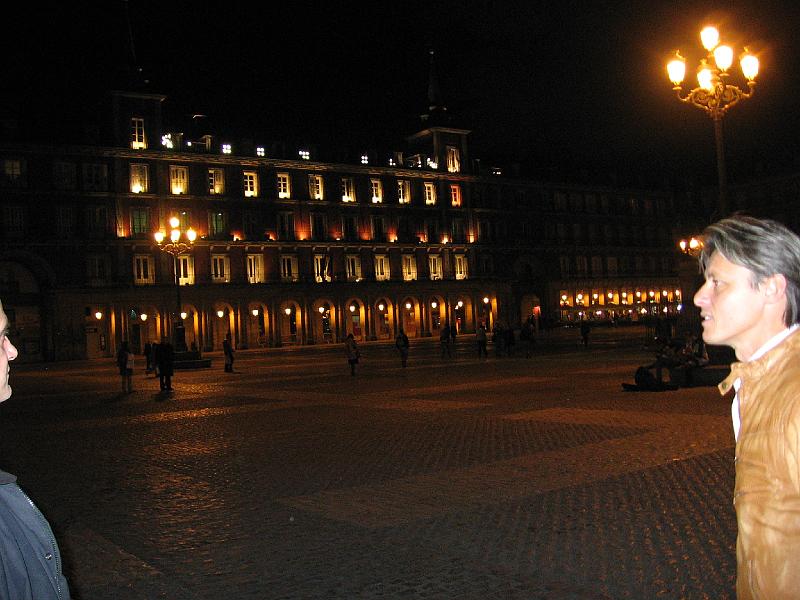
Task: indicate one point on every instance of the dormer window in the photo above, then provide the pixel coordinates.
(453, 160)
(138, 140)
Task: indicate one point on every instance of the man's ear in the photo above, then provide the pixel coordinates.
(774, 287)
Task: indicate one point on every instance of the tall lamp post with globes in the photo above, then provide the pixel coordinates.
(179, 243)
(714, 95)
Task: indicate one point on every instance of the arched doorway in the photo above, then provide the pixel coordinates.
(257, 336)
(224, 324)
(354, 319)
(290, 318)
(409, 317)
(383, 320)
(324, 321)
(437, 314)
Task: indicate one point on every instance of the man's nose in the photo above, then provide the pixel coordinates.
(701, 297)
(11, 351)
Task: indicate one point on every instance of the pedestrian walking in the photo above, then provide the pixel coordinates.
(30, 561)
(352, 352)
(750, 301)
(227, 349)
(480, 338)
(585, 329)
(125, 365)
(444, 340)
(453, 334)
(148, 358)
(165, 360)
(401, 342)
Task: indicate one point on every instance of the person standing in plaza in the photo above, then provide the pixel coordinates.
(444, 340)
(352, 352)
(30, 561)
(165, 361)
(453, 334)
(585, 329)
(228, 350)
(125, 365)
(401, 342)
(148, 357)
(480, 338)
(750, 301)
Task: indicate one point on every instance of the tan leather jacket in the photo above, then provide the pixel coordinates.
(767, 492)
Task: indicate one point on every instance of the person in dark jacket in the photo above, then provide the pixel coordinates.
(30, 561)
(165, 358)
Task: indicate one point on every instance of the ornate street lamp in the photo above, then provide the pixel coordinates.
(714, 95)
(177, 246)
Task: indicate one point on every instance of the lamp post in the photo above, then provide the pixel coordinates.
(714, 95)
(176, 246)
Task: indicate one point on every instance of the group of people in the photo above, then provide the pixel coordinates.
(159, 358)
(750, 301)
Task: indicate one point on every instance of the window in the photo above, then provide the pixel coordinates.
(348, 190)
(218, 224)
(613, 270)
(409, 267)
(486, 265)
(140, 221)
(179, 179)
(96, 268)
(285, 226)
(96, 221)
(378, 228)
(430, 193)
(13, 220)
(564, 264)
(216, 181)
(597, 266)
(455, 195)
(255, 268)
(315, 189)
(322, 268)
(143, 270)
(140, 180)
(453, 160)
(289, 268)
(484, 231)
(381, 267)
(432, 231)
(377, 190)
(65, 221)
(461, 266)
(220, 268)
(138, 140)
(65, 175)
(284, 186)
(185, 269)
(95, 178)
(435, 266)
(458, 231)
(319, 226)
(250, 183)
(353, 266)
(582, 267)
(403, 191)
(250, 224)
(350, 227)
(13, 172)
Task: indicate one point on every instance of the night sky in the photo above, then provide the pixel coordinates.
(553, 85)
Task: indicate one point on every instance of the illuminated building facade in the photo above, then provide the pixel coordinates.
(291, 249)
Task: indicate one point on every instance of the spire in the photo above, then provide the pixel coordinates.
(434, 93)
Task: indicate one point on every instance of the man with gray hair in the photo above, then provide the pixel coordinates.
(751, 301)
(30, 562)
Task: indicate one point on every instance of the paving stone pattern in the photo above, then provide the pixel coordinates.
(506, 478)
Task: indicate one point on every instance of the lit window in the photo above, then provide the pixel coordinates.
(250, 184)
(348, 190)
(185, 269)
(255, 268)
(403, 191)
(435, 266)
(12, 170)
(377, 191)
(353, 265)
(138, 140)
(409, 267)
(166, 141)
(220, 268)
(178, 179)
(139, 179)
(260, 151)
(322, 268)
(226, 149)
(289, 268)
(315, 189)
(430, 193)
(143, 270)
(455, 195)
(461, 266)
(453, 160)
(216, 181)
(217, 224)
(140, 221)
(284, 185)
(381, 267)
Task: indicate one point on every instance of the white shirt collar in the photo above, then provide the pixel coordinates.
(773, 341)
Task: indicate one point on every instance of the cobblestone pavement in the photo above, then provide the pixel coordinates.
(508, 478)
